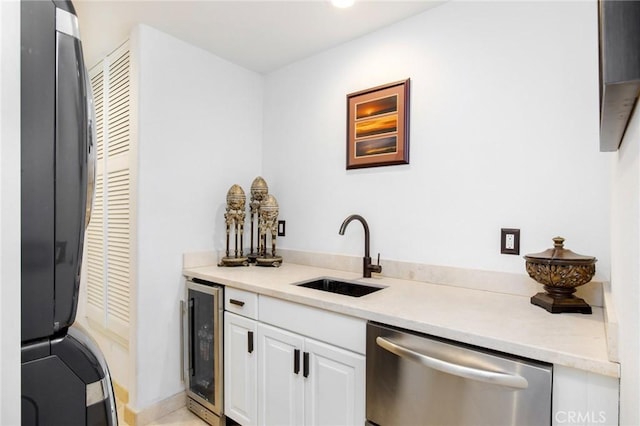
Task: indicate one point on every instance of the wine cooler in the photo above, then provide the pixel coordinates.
(202, 314)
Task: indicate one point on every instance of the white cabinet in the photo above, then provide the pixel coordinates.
(306, 382)
(584, 398)
(311, 365)
(280, 385)
(240, 369)
(241, 356)
(307, 366)
(334, 389)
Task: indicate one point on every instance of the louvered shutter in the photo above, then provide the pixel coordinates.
(109, 244)
(95, 257)
(118, 194)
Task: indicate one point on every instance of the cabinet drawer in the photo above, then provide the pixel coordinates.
(330, 327)
(241, 302)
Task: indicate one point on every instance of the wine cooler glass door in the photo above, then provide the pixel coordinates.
(204, 339)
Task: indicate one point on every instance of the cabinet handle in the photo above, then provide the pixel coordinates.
(305, 365)
(236, 302)
(192, 340)
(182, 340)
(296, 361)
(250, 341)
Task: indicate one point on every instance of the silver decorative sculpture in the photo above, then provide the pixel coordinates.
(268, 219)
(234, 218)
(259, 191)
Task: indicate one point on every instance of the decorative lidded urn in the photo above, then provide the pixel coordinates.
(234, 221)
(560, 271)
(236, 199)
(259, 191)
(268, 226)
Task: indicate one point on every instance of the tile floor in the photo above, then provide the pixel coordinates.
(180, 417)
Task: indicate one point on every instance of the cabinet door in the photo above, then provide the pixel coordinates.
(240, 369)
(280, 384)
(335, 388)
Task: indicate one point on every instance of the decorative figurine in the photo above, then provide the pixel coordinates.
(268, 225)
(259, 191)
(234, 218)
(560, 271)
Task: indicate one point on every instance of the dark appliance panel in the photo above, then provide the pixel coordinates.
(76, 389)
(56, 143)
(38, 74)
(203, 338)
(73, 139)
(65, 378)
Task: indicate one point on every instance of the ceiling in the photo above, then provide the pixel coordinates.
(259, 35)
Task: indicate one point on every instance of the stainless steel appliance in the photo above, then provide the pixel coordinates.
(415, 379)
(202, 360)
(65, 378)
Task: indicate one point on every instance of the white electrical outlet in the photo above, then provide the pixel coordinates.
(510, 242)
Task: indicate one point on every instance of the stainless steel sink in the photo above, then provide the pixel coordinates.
(334, 285)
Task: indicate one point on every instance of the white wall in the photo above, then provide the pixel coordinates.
(199, 132)
(625, 266)
(504, 133)
(9, 212)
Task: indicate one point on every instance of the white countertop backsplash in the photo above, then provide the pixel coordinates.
(482, 308)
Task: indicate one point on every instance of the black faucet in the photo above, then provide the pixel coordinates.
(367, 267)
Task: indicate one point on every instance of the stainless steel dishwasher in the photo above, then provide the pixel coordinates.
(415, 379)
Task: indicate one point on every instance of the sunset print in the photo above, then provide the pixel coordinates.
(377, 107)
(370, 147)
(376, 126)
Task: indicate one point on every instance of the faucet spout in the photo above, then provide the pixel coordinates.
(365, 225)
(367, 267)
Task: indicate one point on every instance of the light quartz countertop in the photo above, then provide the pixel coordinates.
(502, 322)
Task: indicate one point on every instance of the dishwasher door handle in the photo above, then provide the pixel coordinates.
(492, 377)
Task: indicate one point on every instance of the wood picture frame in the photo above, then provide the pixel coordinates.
(378, 126)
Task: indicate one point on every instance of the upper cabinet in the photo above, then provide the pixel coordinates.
(619, 29)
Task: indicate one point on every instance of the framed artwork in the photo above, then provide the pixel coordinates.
(378, 126)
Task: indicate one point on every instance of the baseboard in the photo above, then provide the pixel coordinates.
(155, 411)
(129, 416)
(121, 394)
